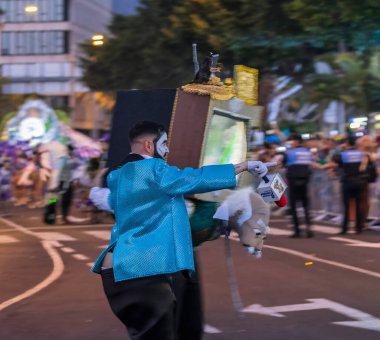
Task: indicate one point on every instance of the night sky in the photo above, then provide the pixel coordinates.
(125, 6)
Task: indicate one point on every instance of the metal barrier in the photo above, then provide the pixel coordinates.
(326, 198)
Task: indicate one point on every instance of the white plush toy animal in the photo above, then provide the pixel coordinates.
(247, 213)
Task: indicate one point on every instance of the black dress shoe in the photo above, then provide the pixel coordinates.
(295, 236)
(309, 234)
(343, 232)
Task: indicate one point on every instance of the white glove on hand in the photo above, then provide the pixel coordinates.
(259, 168)
(99, 197)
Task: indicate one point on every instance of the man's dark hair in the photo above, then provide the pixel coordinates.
(145, 128)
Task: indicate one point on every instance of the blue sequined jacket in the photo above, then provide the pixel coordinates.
(152, 232)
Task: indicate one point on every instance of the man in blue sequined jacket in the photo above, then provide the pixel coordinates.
(151, 240)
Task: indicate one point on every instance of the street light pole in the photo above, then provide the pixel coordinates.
(32, 10)
(98, 41)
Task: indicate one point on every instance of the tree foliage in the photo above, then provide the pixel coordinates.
(152, 48)
(354, 81)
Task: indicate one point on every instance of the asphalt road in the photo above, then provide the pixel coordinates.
(327, 287)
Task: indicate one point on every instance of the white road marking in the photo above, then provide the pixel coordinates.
(318, 259)
(56, 244)
(4, 239)
(101, 234)
(17, 227)
(90, 264)
(324, 229)
(371, 324)
(57, 271)
(80, 257)
(211, 330)
(362, 320)
(53, 236)
(68, 250)
(356, 243)
(280, 232)
(310, 257)
(315, 227)
(77, 219)
(104, 246)
(65, 227)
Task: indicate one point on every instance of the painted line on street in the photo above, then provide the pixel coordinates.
(211, 330)
(90, 264)
(361, 319)
(329, 262)
(314, 227)
(101, 234)
(17, 227)
(280, 232)
(80, 257)
(64, 227)
(55, 243)
(356, 243)
(53, 236)
(309, 257)
(57, 271)
(58, 266)
(4, 239)
(68, 250)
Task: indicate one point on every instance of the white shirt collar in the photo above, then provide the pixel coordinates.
(142, 155)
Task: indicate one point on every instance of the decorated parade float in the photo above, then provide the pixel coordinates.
(36, 141)
(36, 123)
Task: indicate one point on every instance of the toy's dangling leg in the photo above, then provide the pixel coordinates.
(235, 294)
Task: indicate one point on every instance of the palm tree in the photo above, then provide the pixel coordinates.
(354, 83)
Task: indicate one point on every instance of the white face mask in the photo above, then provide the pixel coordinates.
(161, 146)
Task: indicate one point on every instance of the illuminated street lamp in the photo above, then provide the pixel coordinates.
(31, 9)
(97, 39)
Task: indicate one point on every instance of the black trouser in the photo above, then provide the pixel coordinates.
(157, 307)
(352, 189)
(187, 290)
(66, 199)
(298, 192)
(146, 306)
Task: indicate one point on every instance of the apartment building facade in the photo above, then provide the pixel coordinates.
(40, 48)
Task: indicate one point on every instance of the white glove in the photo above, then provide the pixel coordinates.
(259, 168)
(99, 197)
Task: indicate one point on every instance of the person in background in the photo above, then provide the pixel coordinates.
(365, 145)
(298, 162)
(19, 164)
(5, 184)
(353, 164)
(66, 185)
(40, 177)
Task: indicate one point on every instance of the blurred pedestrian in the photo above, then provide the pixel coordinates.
(366, 146)
(298, 162)
(5, 184)
(353, 164)
(66, 185)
